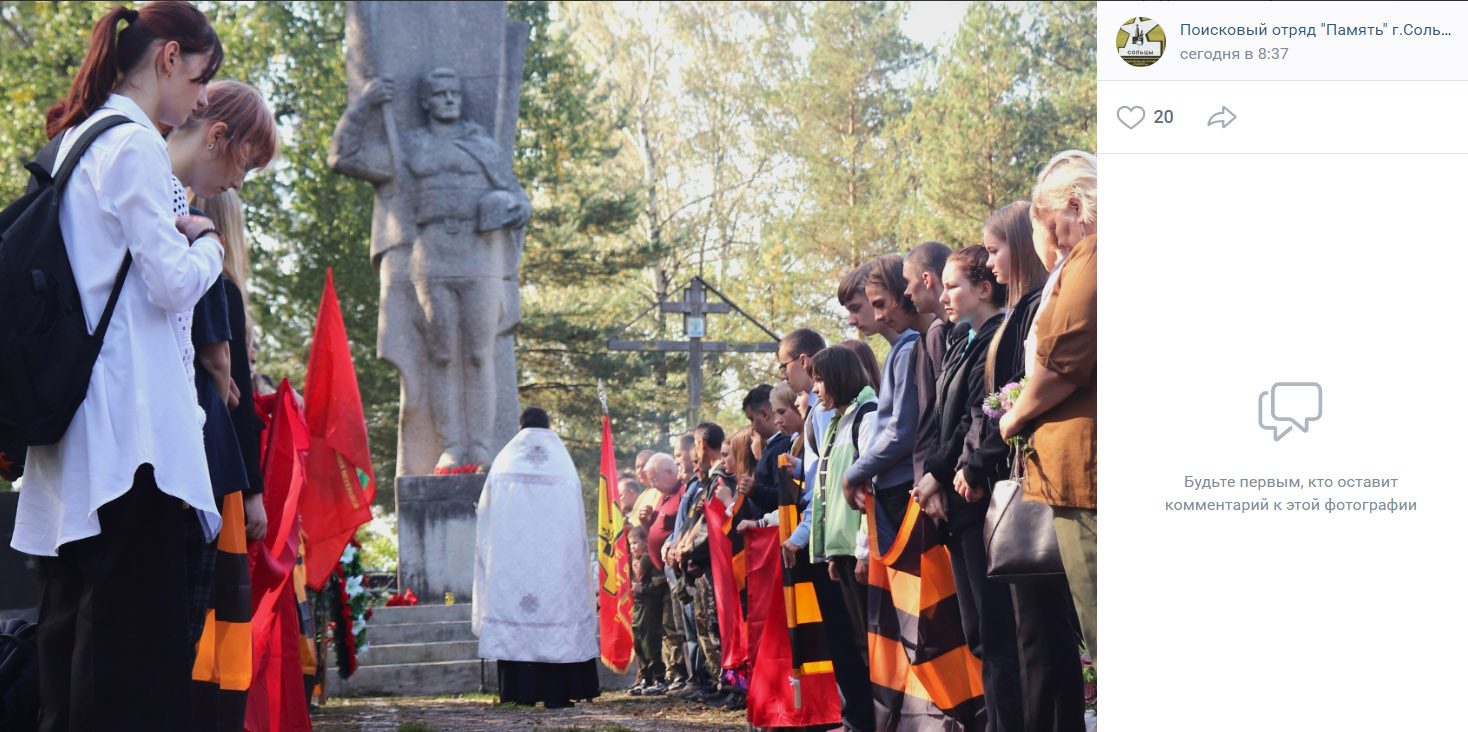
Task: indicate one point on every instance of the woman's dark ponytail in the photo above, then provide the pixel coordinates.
(114, 51)
(97, 76)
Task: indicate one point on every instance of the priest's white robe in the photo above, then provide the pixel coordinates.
(533, 587)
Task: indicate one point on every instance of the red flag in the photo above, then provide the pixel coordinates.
(277, 700)
(339, 482)
(772, 700)
(283, 468)
(727, 567)
(614, 600)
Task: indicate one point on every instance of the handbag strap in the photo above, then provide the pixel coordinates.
(1016, 465)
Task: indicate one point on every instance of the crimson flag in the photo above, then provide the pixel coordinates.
(613, 598)
(339, 483)
(727, 565)
(277, 700)
(774, 700)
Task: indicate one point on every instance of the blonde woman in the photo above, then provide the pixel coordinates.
(1060, 401)
(227, 213)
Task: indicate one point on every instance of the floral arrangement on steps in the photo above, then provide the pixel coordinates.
(346, 600)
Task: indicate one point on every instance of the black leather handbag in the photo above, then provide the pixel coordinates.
(1019, 535)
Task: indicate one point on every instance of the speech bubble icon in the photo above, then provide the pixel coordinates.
(1273, 429)
(1296, 402)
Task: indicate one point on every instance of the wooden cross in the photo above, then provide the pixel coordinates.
(695, 307)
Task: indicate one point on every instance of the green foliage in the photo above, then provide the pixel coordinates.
(1000, 96)
(379, 540)
(41, 45)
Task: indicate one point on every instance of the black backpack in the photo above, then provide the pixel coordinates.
(46, 353)
(20, 705)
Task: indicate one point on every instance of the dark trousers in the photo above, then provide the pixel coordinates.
(647, 627)
(854, 598)
(1025, 636)
(647, 635)
(1049, 656)
(853, 679)
(894, 502)
(987, 612)
(113, 636)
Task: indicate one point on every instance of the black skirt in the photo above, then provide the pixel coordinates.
(557, 684)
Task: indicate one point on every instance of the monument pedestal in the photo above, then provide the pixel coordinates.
(436, 524)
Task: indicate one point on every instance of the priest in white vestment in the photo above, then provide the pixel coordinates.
(534, 591)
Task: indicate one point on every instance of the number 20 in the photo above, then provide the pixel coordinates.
(1164, 116)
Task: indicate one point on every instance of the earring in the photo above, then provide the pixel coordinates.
(211, 146)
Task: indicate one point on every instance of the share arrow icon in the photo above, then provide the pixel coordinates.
(1223, 118)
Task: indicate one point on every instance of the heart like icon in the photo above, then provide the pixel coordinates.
(1131, 116)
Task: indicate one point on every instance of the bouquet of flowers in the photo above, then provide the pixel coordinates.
(460, 470)
(1000, 402)
(997, 404)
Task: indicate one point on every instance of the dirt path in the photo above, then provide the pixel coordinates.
(615, 712)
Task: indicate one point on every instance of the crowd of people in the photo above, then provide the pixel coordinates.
(882, 454)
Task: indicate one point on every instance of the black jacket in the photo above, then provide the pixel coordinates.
(961, 384)
(959, 388)
(985, 456)
(766, 493)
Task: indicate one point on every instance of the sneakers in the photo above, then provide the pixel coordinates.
(656, 688)
(636, 690)
(676, 685)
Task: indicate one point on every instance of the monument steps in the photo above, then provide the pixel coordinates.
(417, 650)
(431, 632)
(425, 650)
(401, 653)
(462, 611)
(412, 679)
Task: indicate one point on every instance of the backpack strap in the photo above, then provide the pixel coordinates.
(861, 412)
(41, 171)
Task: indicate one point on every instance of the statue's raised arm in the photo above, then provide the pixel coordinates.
(360, 144)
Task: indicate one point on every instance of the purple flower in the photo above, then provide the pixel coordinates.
(1090, 693)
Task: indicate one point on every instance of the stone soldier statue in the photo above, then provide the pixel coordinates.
(456, 235)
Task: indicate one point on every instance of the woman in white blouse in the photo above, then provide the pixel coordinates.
(105, 507)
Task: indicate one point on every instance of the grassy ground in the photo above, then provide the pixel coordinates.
(612, 712)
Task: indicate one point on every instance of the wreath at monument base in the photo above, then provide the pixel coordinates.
(346, 601)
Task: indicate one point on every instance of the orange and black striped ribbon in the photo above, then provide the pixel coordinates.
(923, 675)
(223, 658)
(307, 622)
(740, 560)
(810, 650)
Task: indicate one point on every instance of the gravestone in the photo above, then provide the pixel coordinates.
(433, 96)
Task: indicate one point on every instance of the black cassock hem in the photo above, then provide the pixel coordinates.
(528, 682)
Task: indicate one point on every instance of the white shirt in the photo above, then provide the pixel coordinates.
(139, 406)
